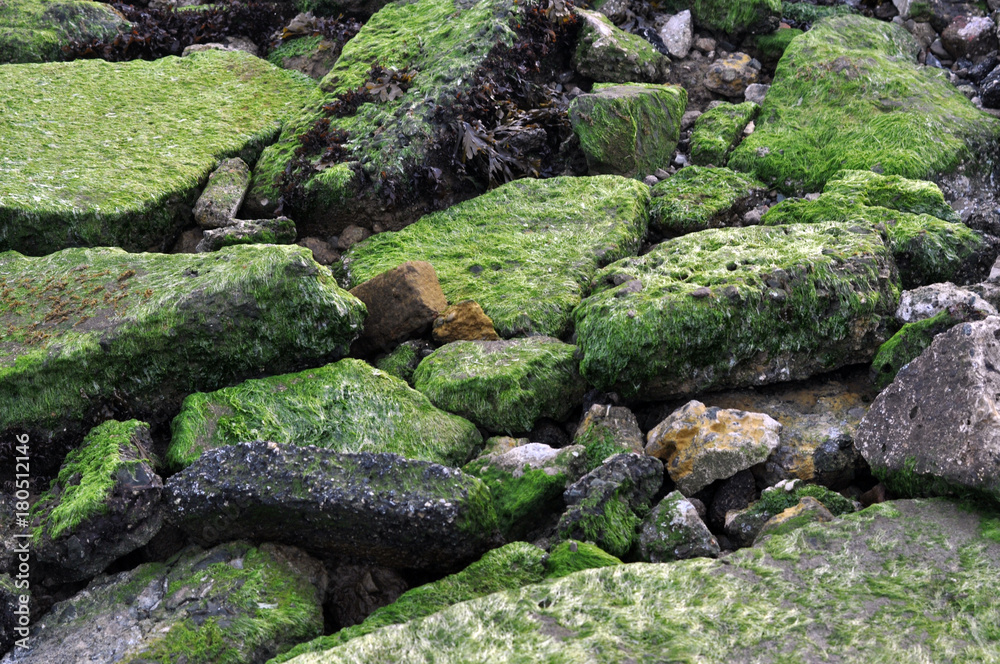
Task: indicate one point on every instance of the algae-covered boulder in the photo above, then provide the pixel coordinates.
(572, 556)
(607, 53)
(508, 568)
(736, 17)
(104, 503)
(503, 386)
(525, 251)
(231, 604)
(347, 407)
(405, 359)
(892, 191)
(868, 105)
(629, 130)
(737, 307)
(96, 329)
(744, 526)
(914, 578)
(674, 531)
(696, 198)
(115, 154)
(718, 130)
(369, 508)
(606, 431)
(37, 30)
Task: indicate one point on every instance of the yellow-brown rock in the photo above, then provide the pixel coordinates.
(401, 302)
(465, 321)
(808, 510)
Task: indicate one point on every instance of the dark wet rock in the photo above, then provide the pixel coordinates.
(674, 531)
(356, 591)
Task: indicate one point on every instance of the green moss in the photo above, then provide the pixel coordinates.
(906, 345)
(705, 310)
(83, 486)
(509, 567)
(572, 556)
(142, 137)
(908, 482)
(525, 251)
(348, 407)
(803, 12)
(78, 320)
(926, 249)
(849, 94)
(696, 198)
(605, 52)
(629, 130)
(600, 444)
(37, 30)
(521, 499)
(503, 386)
(893, 192)
(606, 520)
(730, 16)
(401, 362)
(771, 47)
(718, 131)
(293, 48)
(777, 501)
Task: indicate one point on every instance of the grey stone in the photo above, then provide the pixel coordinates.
(674, 531)
(756, 92)
(220, 201)
(248, 231)
(678, 34)
(928, 301)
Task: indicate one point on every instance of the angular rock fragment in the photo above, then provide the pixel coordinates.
(401, 302)
(369, 508)
(674, 531)
(606, 53)
(346, 407)
(696, 198)
(463, 321)
(735, 17)
(808, 510)
(718, 131)
(220, 201)
(248, 231)
(730, 76)
(606, 431)
(928, 301)
(744, 526)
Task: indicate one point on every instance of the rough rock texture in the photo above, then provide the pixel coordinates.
(628, 130)
(401, 302)
(36, 30)
(871, 107)
(674, 531)
(928, 301)
(696, 198)
(314, 56)
(503, 386)
(96, 330)
(525, 251)
(608, 430)
(355, 591)
(744, 526)
(606, 53)
(677, 34)
(144, 137)
(970, 37)
(231, 604)
(249, 231)
(808, 510)
(347, 407)
(220, 201)
(936, 428)
(104, 503)
(377, 508)
(527, 484)
(718, 131)
(737, 307)
(10, 596)
(607, 505)
(731, 75)
(939, 13)
(700, 445)
(463, 321)
(766, 604)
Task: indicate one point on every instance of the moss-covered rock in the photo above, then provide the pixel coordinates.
(572, 556)
(503, 386)
(313, 55)
(696, 198)
(740, 306)
(808, 510)
(607, 53)
(606, 431)
(674, 531)
(104, 503)
(734, 17)
(96, 329)
(234, 604)
(525, 251)
(744, 526)
(37, 30)
(405, 358)
(868, 105)
(249, 231)
(114, 154)
(508, 568)
(346, 407)
(892, 191)
(911, 581)
(629, 130)
(804, 13)
(718, 131)
(771, 47)
(909, 343)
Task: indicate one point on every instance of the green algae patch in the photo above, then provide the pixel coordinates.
(912, 340)
(893, 192)
(526, 251)
(90, 329)
(718, 131)
(629, 130)
(347, 407)
(696, 198)
(730, 16)
(737, 307)
(571, 556)
(771, 47)
(776, 501)
(401, 362)
(508, 568)
(803, 12)
(114, 154)
(849, 94)
(37, 30)
(87, 477)
(503, 386)
(913, 588)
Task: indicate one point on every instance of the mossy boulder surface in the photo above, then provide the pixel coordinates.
(114, 154)
(347, 407)
(607, 53)
(37, 30)
(629, 130)
(525, 251)
(89, 329)
(737, 307)
(503, 386)
(849, 94)
(909, 343)
(892, 191)
(699, 197)
(731, 16)
(234, 604)
(718, 130)
(883, 581)
(508, 568)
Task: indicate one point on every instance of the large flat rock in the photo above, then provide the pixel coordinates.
(114, 154)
